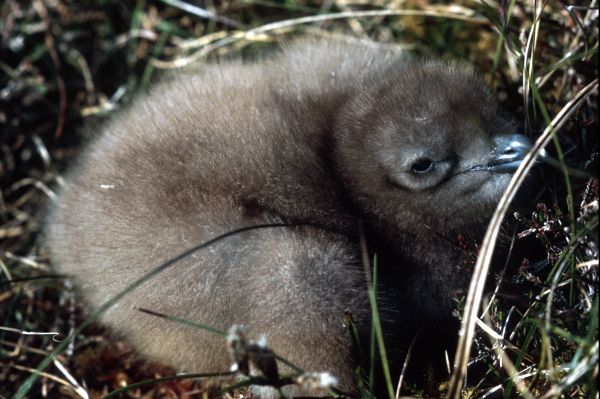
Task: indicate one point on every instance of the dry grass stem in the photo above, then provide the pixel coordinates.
(490, 239)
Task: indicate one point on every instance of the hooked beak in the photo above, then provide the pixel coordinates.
(509, 152)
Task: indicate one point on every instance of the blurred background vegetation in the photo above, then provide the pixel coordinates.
(67, 63)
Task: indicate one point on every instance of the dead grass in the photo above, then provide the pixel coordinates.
(66, 63)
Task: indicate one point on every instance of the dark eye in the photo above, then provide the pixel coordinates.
(422, 165)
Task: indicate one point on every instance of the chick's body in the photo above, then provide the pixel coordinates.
(318, 137)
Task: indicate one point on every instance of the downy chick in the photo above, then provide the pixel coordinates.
(319, 136)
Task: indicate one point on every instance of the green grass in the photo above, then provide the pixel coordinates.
(66, 64)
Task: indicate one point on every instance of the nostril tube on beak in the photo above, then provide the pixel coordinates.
(509, 151)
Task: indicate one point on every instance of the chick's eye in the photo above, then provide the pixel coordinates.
(422, 165)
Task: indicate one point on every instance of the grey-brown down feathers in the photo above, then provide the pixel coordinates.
(318, 136)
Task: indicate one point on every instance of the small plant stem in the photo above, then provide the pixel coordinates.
(379, 332)
(136, 22)
(376, 331)
(561, 156)
(148, 71)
